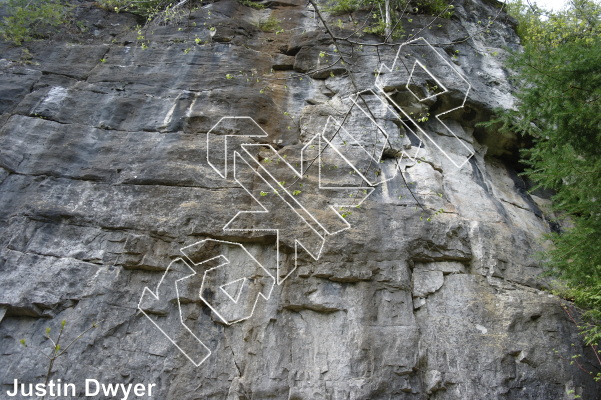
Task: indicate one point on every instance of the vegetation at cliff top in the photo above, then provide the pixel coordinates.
(559, 107)
(29, 20)
(146, 8)
(387, 15)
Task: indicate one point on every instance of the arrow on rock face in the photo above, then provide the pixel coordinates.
(226, 137)
(230, 287)
(158, 307)
(298, 205)
(277, 215)
(303, 213)
(423, 73)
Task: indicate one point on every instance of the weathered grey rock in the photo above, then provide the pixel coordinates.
(426, 282)
(104, 177)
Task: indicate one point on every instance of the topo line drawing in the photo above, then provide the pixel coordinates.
(232, 285)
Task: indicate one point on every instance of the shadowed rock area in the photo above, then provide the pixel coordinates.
(433, 292)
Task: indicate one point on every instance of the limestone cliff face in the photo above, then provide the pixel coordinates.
(104, 178)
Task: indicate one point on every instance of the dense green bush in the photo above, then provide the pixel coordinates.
(559, 107)
(397, 9)
(29, 20)
(440, 8)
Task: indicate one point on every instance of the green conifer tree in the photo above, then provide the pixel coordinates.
(559, 107)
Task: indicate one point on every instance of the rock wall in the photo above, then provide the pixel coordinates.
(432, 293)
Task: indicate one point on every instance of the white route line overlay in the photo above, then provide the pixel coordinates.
(238, 291)
(284, 194)
(155, 295)
(290, 200)
(384, 69)
(226, 227)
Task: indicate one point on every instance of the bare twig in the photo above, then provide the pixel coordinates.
(335, 40)
(56, 351)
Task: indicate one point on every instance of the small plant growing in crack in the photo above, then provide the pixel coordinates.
(56, 349)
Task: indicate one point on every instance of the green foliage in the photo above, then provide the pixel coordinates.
(576, 24)
(343, 6)
(378, 24)
(590, 297)
(28, 20)
(398, 9)
(164, 10)
(559, 107)
(252, 4)
(56, 350)
(270, 24)
(431, 7)
(435, 7)
(142, 7)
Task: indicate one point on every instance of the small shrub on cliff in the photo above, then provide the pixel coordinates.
(28, 20)
(431, 7)
(386, 15)
(165, 10)
(56, 350)
(142, 7)
(270, 24)
(440, 8)
(252, 4)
